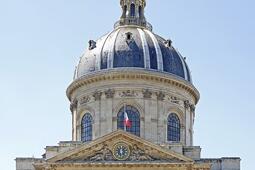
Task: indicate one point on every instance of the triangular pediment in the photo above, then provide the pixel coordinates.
(119, 146)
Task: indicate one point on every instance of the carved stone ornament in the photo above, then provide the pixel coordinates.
(147, 94)
(73, 105)
(84, 100)
(174, 100)
(97, 95)
(109, 93)
(192, 108)
(186, 104)
(138, 154)
(160, 96)
(118, 147)
(128, 93)
(103, 154)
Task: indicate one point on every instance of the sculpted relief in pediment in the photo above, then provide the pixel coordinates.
(121, 148)
(120, 152)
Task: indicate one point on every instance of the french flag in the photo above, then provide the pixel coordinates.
(127, 122)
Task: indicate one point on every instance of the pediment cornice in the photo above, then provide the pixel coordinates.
(101, 150)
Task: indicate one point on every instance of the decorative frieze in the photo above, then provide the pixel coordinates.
(107, 154)
(97, 95)
(137, 75)
(147, 94)
(84, 100)
(160, 96)
(128, 93)
(109, 93)
(174, 100)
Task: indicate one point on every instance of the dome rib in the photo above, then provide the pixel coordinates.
(183, 65)
(145, 49)
(152, 53)
(158, 50)
(101, 50)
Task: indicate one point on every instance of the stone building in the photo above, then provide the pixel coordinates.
(130, 73)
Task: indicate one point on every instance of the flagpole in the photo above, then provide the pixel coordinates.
(125, 126)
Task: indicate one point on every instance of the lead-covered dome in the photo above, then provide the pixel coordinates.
(132, 45)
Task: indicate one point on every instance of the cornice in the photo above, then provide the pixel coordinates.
(133, 74)
(190, 165)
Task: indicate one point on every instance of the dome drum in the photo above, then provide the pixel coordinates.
(104, 94)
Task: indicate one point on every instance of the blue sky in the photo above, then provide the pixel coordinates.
(41, 41)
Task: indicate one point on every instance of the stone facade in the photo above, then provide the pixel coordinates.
(223, 163)
(27, 163)
(154, 95)
(146, 155)
(157, 85)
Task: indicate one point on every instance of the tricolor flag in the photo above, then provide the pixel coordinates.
(127, 122)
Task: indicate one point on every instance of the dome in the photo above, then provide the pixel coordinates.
(132, 47)
(135, 71)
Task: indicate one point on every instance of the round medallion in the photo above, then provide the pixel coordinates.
(121, 151)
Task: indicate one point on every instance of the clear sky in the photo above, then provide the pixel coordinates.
(42, 40)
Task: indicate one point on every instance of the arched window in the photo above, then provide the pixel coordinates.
(140, 11)
(125, 10)
(132, 10)
(173, 128)
(86, 128)
(124, 14)
(133, 116)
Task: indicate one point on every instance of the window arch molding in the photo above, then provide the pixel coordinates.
(117, 108)
(178, 112)
(82, 112)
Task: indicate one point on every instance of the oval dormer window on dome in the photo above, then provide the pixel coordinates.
(129, 38)
(92, 44)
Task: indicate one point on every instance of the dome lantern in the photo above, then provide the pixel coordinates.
(133, 13)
